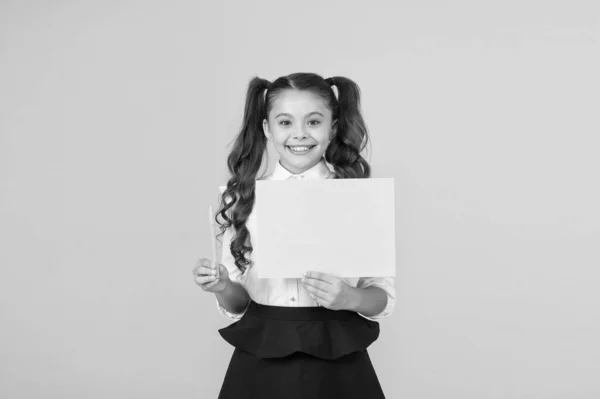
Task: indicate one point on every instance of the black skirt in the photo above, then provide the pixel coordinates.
(300, 352)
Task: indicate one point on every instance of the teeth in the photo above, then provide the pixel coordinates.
(299, 148)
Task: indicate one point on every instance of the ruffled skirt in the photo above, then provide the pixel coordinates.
(300, 352)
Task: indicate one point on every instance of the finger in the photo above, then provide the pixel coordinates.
(318, 284)
(203, 262)
(317, 300)
(203, 271)
(317, 295)
(202, 280)
(210, 285)
(316, 291)
(327, 278)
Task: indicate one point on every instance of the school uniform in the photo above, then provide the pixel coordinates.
(286, 345)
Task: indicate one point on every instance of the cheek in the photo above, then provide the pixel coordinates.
(278, 136)
(323, 136)
(319, 134)
(279, 139)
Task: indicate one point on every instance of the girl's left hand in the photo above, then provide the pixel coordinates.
(328, 291)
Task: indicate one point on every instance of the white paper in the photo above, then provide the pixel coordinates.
(344, 227)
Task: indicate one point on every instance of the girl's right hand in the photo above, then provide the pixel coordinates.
(205, 276)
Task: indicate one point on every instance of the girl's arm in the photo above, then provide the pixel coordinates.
(369, 301)
(372, 297)
(234, 297)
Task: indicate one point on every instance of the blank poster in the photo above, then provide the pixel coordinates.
(343, 227)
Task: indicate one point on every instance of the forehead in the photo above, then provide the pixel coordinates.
(298, 102)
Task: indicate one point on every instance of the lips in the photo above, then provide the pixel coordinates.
(300, 149)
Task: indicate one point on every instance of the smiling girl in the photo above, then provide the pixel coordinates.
(295, 338)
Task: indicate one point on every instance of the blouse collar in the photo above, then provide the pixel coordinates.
(318, 172)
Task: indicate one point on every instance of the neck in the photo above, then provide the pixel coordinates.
(299, 171)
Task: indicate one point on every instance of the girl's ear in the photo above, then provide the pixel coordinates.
(266, 129)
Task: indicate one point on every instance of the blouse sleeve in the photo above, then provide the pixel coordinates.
(235, 275)
(388, 285)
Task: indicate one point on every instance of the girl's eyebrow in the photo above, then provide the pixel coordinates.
(290, 116)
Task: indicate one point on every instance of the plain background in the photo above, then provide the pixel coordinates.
(115, 121)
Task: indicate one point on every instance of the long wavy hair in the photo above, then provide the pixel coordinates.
(245, 159)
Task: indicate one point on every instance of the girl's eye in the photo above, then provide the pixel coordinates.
(284, 123)
(316, 122)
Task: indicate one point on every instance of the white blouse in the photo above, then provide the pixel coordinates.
(290, 291)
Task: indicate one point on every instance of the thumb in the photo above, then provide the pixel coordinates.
(223, 271)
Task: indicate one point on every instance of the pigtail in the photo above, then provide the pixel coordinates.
(243, 163)
(343, 152)
(245, 159)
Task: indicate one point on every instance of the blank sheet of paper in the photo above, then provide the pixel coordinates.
(343, 227)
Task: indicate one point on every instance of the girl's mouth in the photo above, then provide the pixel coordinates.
(300, 149)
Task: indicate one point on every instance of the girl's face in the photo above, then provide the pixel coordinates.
(300, 128)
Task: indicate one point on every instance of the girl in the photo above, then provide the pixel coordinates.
(295, 338)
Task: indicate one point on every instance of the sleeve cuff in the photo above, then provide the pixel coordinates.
(227, 314)
(388, 286)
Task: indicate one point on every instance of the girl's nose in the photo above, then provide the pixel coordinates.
(299, 132)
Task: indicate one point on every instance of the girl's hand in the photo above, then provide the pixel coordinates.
(328, 291)
(205, 275)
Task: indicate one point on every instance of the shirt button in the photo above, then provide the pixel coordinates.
(292, 299)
